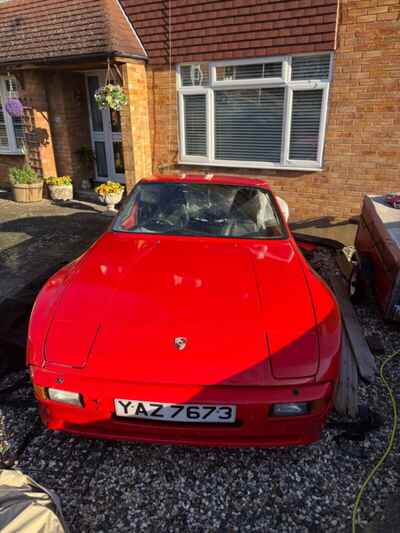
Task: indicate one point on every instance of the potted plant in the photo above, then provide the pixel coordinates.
(110, 193)
(112, 96)
(60, 187)
(27, 185)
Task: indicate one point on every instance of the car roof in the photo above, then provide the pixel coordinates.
(210, 178)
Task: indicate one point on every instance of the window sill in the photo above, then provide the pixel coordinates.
(249, 165)
(9, 152)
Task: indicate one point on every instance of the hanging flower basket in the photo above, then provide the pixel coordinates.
(14, 107)
(110, 96)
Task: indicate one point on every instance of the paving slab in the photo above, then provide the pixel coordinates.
(36, 237)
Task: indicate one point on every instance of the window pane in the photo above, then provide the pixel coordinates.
(310, 67)
(115, 121)
(248, 72)
(195, 124)
(101, 159)
(194, 75)
(97, 118)
(118, 158)
(11, 87)
(248, 124)
(19, 131)
(3, 130)
(306, 118)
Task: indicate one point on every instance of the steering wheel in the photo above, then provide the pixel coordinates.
(156, 223)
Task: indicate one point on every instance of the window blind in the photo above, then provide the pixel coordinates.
(11, 87)
(311, 67)
(248, 124)
(195, 112)
(305, 125)
(18, 125)
(3, 129)
(249, 72)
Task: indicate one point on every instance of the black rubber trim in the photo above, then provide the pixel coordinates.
(319, 241)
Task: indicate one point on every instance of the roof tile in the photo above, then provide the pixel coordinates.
(204, 30)
(38, 30)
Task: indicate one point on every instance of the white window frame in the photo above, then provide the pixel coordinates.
(12, 148)
(289, 85)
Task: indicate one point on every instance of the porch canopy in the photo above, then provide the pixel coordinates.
(47, 31)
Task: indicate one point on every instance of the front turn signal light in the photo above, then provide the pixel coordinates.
(290, 409)
(63, 396)
(40, 392)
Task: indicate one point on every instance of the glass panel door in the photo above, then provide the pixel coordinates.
(117, 152)
(105, 125)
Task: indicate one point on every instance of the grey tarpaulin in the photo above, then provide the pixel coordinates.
(26, 507)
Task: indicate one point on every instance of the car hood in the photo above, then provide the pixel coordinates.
(235, 305)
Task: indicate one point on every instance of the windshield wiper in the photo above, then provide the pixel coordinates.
(252, 234)
(183, 231)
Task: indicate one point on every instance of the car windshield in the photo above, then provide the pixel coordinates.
(209, 210)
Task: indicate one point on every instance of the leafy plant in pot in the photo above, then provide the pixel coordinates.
(111, 194)
(60, 187)
(26, 184)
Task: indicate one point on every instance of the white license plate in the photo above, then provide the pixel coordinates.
(174, 412)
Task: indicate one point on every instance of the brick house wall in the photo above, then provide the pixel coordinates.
(56, 123)
(69, 121)
(38, 136)
(163, 117)
(135, 124)
(362, 151)
(6, 162)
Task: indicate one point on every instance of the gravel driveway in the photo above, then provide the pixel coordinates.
(120, 487)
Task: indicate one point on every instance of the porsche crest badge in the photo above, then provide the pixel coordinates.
(180, 343)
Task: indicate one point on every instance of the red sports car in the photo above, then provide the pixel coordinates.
(193, 320)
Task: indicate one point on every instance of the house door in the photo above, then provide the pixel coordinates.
(105, 126)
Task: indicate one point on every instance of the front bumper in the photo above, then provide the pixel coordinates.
(254, 425)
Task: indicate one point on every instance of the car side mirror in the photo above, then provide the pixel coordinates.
(283, 207)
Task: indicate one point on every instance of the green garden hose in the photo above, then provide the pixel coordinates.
(389, 446)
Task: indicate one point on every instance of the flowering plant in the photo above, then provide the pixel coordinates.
(110, 187)
(14, 107)
(111, 96)
(59, 180)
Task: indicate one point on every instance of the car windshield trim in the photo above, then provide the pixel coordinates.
(199, 217)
